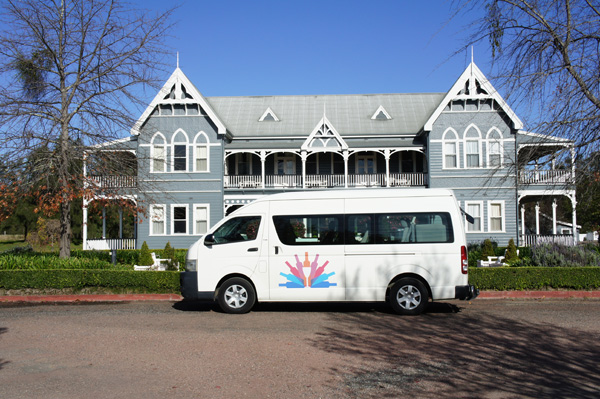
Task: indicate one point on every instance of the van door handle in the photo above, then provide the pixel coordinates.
(276, 250)
(252, 249)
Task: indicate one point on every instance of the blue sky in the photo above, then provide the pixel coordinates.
(267, 47)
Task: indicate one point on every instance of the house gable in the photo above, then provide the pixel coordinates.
(324, 136)
(179, 97)
(474, 91)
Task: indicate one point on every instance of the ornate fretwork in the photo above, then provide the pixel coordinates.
(324, 136)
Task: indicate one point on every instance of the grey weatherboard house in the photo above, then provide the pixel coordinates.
(199, 158)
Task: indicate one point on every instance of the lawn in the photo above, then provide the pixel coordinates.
(8, 242)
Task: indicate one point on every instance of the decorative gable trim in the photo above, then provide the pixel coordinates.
(381, 114)
(179, 90)
(324, 136)
(269, 116)
(473, 85)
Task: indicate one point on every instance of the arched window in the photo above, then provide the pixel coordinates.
(472, 147)
(180, 151)
(494, 148)
(201, 153)
(158, 153)
(450, 149)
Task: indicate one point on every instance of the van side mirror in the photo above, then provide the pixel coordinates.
(209, 240)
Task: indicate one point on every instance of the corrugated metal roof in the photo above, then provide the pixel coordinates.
(349, 114)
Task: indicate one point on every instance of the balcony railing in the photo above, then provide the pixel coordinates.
(546, 176)
(114, 181)
(326, 181)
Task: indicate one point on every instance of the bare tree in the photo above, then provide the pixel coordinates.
(546, 55)
(72, 73)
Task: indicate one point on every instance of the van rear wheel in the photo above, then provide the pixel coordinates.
(408, 296)
(236, 295)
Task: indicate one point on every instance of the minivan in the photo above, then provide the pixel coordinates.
(402, 246)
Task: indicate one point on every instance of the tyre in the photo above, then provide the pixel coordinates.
(408, 296)
(236, 295)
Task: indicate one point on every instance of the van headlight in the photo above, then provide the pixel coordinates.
(191, 265)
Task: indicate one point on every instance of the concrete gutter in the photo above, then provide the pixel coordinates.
(176, 297)
(91, 298)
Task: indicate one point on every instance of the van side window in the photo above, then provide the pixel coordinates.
(309, 229)
(414, 227)
(359, 229)
(244, 228)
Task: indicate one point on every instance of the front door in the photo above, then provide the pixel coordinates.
(306, 251)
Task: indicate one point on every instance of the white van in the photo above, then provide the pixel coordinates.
(403, 246)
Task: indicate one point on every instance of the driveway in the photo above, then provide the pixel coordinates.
(479, 349)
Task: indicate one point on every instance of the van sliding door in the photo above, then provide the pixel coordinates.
(306, 261)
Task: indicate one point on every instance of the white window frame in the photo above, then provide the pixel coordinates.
(187, 219)
(153, 147)
(201, 140)
(481, 217)
(477, 139)
(238, 159)
(500, 141)
(502, 216)
(196, 218)
(174, 143)
(285, 157)
(448, 140)
(152, 219)
(365, 156)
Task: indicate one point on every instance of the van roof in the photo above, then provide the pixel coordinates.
(359, 193)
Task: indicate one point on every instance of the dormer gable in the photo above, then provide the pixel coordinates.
(268, 116)
(381, 114)
(324, 136)
(178, 96)
(472, 92)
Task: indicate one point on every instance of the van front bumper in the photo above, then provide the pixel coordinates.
(189, 287)
(465, 292)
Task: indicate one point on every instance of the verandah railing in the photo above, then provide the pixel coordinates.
(529, 240)
(327, 181)
(545, 176)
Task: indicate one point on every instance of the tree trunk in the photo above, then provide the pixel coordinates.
(65, 228)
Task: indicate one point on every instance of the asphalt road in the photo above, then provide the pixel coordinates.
(482, 349)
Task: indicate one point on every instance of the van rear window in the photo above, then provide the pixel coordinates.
(368, 228)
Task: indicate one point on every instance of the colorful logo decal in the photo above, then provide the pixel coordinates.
(307, 274)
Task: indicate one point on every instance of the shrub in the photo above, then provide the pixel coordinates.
(169, 254)
(555, 255)
(511, 252)
(488, 249)
(145, 256)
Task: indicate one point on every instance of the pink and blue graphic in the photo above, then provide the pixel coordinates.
(307, 274)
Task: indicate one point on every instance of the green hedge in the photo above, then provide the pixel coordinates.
(37, 261)
(535, 278)
(128, 280)
(126, 256)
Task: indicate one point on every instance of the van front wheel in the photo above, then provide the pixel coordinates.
(408, 296)
(236, 295)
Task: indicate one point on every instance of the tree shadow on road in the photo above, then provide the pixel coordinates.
(445, 355)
